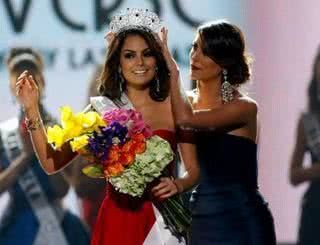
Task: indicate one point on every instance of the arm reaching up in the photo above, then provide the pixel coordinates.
(28, 97)
(230, 116)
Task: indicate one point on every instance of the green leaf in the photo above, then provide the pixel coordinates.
(93, 171)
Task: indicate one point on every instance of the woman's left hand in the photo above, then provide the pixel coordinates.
(166, 188)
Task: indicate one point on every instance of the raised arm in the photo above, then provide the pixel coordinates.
(232, 115)
(297, 172)
(28, 96)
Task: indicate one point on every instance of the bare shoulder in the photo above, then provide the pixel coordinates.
(247, 103)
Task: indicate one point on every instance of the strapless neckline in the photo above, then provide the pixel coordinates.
(164, 129)
(242, 138)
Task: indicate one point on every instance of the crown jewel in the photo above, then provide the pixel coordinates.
(135, 17)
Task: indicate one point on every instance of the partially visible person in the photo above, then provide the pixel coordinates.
(35, 214)
(308, 141)
(90, 191)
(135, 76)
(227, 205)
(94, 82)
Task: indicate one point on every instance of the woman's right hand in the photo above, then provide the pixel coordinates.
(27, 91)
(171, 63)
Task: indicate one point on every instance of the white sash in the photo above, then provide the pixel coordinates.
(101, 104)
(49, 232)
(312, 132)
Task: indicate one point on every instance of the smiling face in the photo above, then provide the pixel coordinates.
(137, 62)
(202, 67)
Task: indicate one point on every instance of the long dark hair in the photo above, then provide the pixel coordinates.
(109, 81)
(224, 43)
(314, 88)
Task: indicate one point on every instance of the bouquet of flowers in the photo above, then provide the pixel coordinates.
(122, 149)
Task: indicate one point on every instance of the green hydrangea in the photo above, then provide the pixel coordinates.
(145, 169)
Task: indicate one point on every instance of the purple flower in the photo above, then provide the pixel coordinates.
(99, 143)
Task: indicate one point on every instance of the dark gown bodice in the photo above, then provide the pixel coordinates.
(227, 207)
(228, 166)
(227, 158)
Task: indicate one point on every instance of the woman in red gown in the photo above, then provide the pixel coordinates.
(134, 69)
(124, 219)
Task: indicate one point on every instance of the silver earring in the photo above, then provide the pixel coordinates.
(226, 88)
(157, 81)
(121, 82)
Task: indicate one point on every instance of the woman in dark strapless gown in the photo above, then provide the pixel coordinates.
(227, 206)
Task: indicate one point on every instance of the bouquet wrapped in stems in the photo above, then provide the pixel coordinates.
(121, 147)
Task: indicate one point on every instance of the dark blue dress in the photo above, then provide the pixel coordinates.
(19, 224)
(227, 206)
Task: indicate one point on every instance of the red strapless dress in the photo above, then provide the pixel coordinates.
(125, 220)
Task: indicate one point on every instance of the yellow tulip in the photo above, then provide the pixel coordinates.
(79, 142)
(67, 116)
(56, 136)
(73, 127)
(90, 121)
(72, 132)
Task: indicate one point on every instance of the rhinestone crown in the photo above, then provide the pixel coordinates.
(135, 17)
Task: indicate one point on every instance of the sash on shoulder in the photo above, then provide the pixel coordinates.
(48, 215)
(101, 104)
(312, 132)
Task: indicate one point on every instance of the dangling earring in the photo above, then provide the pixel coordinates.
(157, 81)
(226, 88)
(121, 82)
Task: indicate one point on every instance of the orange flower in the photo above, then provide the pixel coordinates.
(127, 159)
(138, 137)
(127, 146)
(114, 154)
(139, 147)
(114, 169)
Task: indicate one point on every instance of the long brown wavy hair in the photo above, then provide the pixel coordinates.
(109, 81)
